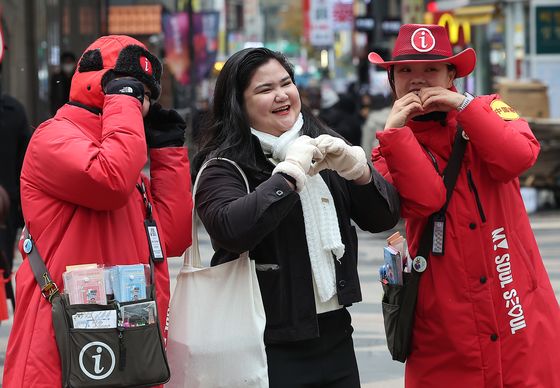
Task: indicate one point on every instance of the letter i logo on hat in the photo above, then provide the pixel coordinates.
(422, 40)
(145, 65)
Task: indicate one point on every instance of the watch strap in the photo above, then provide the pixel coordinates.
(468, 99)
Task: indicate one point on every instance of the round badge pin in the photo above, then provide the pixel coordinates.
(27, 245)
(419, 264)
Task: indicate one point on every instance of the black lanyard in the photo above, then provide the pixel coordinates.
(436, 235)
(154, 242)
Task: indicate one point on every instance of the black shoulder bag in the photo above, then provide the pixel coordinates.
(111, 357)
(399, 301)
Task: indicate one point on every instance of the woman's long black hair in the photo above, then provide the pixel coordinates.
(228, 133)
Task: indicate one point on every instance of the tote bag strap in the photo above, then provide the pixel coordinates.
(191, 257)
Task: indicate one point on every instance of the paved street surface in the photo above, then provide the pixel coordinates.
(376, 367)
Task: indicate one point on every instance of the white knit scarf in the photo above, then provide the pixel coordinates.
(319, 214)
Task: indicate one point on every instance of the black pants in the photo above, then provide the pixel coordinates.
(325, 362)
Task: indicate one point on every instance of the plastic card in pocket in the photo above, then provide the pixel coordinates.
(138, 314)
(102, 319)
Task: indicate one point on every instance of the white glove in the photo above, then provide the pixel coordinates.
(299, 157)
(348, 161)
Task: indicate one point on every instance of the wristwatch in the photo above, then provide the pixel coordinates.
(468, 98)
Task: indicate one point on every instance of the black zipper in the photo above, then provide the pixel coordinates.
(472, 187)
(434, 160)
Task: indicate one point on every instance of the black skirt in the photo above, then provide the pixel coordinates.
(328, 361)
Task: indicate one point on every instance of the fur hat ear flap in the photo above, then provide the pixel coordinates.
(91, 61)
(139, 63)
(108, 76)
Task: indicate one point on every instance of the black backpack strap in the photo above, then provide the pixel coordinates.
(453, 167)
(450, 175)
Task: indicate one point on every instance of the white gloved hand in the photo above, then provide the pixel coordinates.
(299, 157)
(348, 161)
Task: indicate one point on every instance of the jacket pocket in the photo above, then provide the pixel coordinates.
(474, 191)
(527, 260)
(267, 267)
(273, 292)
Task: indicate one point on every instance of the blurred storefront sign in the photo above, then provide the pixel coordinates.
(544, 50)
(252, 21)
(343, 15)
(455, 28)
(547, 25)
(476, 14)
(321, 31)
(205, 43)
(459, 31)
(459, 21)
(364, 23)
(412, 11)
(389, 27)
(135, 19)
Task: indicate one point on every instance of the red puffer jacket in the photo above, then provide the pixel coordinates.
(81, 205)
(486, 315)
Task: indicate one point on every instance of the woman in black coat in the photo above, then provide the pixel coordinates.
(15, 133)
(307, 186)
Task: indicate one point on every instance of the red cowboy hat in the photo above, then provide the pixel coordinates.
(418, 43)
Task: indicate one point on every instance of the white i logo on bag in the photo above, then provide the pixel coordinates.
(97, 360)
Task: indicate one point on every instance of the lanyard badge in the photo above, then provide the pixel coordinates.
(153, 240)
(156, 252)
(438, 234)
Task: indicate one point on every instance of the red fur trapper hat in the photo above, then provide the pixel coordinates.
(110, 56)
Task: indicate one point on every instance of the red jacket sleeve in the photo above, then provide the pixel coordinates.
(171, 193)
(401, 160)
(508, 147)
(70, 163)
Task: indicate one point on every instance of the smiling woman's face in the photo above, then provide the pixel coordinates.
(415, 76)
(271, 99)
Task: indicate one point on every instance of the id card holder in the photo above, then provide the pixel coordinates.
(438, 235)
(156, 252)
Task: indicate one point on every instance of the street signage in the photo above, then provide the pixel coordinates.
(548, 30)
(389, 27)
(321, 32)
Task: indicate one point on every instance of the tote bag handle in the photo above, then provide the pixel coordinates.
(192, 255)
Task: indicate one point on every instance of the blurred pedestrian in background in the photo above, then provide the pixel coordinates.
(296, 223)
(374, 112)
(311, 98)
(60, 81)
(200, 119)
(340, 113)
(85, 198)
(4, 211)
(15, 133)
(486, 313)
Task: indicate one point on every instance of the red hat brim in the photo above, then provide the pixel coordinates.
(464, 61)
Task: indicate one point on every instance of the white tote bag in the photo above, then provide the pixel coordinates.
(216, 321)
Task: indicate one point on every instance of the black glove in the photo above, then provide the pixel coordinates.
(164, 128)
(128, 85)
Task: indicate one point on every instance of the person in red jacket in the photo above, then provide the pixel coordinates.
(79, 191)
(486, 313)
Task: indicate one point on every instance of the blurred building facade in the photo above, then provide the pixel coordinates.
(514, 39)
